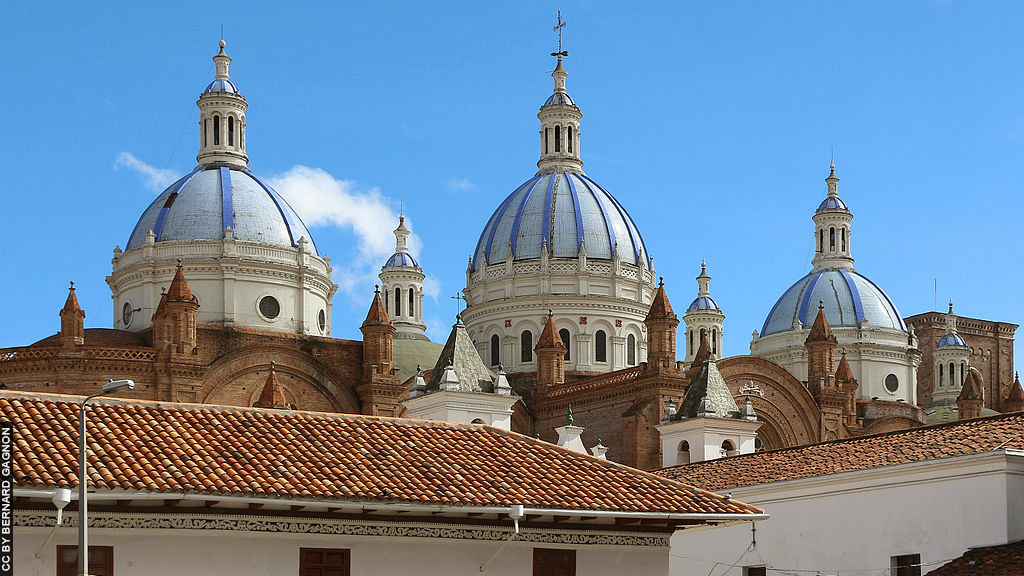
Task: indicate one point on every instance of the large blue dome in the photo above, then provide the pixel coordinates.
(563, 210)
(202, 204)
(848, 298)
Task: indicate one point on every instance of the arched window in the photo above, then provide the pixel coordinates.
(683, 456)
(703, 334)
(728, 448)
(231, 130)
(821, 240)
(952, 374)
(963, 373)
(478, 421)
(942, 378)
(547, 135)
(714, 341)
(398, 301)
(412, 299)
(600, 346)
(631, 350)
(842, 233)
(206, 123)
(495, 350)
(558, 138)
(831, 239)
(526, 346)
(691, 341)
(216, 130)
(569, 138)
(564, 335)
(387, 301)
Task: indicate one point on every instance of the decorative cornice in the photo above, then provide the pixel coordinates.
(342, 527)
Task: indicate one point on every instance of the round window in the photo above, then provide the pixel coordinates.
(126, 314)
(270, 308)
(321, 319)
(892, 383)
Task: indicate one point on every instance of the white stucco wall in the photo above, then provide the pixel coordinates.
(158, 552)
(859, 520)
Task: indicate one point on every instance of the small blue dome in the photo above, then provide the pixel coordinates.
(832, 203)
(848, 297)
(703, 303)
(562, 210)
(559, 98)
(202, 204)
(953, 339)
(401, 259)
(222, 86)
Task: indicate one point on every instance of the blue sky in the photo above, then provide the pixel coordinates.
(712, 123)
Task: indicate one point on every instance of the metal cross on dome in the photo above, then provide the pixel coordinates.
(459, 299)
(561, 24)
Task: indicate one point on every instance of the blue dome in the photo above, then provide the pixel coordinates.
(832, 203)
(953, 339)
(565, 209)
(559, 98)
(703, 303)
(848, 298)
(222, 86)
(401, 259)
(202, 204)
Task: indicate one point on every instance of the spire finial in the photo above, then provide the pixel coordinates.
(950, 305)
(558, 28)
(376, 289)
(703, 264)
(568, 416)
(222, 60)
(661, 281)
(832, 180)
(821, 304)
(72, 285)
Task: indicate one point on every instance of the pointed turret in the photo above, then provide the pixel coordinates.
(72, 320)
(377, 315)
(969, 402)
(1015, 399)
(176, 316)
(550, 355)
(272, 395)
(380, 390)
(821, 330)
(661, 324)
(833, 401)
(222, 119)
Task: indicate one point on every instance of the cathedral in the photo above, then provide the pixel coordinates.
(222, 296)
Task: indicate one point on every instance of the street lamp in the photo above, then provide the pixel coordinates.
(83, 474)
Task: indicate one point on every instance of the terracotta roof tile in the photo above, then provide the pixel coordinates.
(887, 449)
(1005, 560)
(174, 448)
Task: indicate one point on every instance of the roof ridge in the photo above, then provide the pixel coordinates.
(908, 431)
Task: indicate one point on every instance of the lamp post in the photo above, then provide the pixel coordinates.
(83, 474)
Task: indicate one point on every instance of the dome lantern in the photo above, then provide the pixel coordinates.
(832, 229)
(560, 122)
(222, 119)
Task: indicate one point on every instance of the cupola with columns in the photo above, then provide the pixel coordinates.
(703, 317)
(559, 124)
(951, 359)
(222, 119)
(401, 281)
(832, 229)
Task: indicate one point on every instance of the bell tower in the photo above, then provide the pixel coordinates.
(559, 122)
(222, 119)
(832, 232)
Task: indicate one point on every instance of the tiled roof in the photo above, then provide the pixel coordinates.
(460, 353)
(190, 448)
(1005, 560)
(100, 337)
(887, 449)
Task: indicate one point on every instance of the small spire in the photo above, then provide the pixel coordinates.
(950, 305)
(272, 396)
(569, 420)
(703, 280)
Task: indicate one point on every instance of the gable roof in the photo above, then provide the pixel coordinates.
(459, 351)
(190, 448)
(887, 449)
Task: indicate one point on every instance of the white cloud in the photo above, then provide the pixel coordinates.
(460, 185)
(157, 179)
(437, 330)
(323, 200)
(432, 287)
